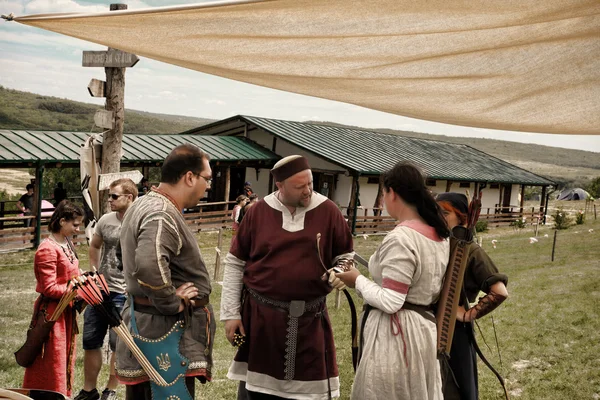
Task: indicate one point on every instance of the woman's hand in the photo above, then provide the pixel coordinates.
(460, 313)
(349, 278)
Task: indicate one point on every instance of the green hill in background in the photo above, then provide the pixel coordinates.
(23, 110)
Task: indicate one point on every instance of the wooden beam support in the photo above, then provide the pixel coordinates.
(112, 142)
(227, 185)
(448, 185)
(378, 200)
(39, 174)
(270, 188)
(353, 206)
(543, 200)
(500, 190)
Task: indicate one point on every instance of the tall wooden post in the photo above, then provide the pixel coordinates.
(543, 199)
(378, 200)
(354, 200)
(39, 174)
(554, 244)
(146, 171)
(522, 199)
(500, 190)
(270, 188)
(113, 138)
(448, 185)
(114, 62)
(227, 186)
(218, 256)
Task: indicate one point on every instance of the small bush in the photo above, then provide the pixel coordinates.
(580, 218)
(518, 223)
(561, 219)
(481, 226)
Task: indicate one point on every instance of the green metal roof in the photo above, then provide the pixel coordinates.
(24, 147)
(370, 153)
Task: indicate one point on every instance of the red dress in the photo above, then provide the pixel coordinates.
(53, 368)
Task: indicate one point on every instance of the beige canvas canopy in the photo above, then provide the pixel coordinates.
(524, 65)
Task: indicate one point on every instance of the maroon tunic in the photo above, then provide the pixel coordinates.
(282, 264)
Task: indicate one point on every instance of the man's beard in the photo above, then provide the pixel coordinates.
(301, 201)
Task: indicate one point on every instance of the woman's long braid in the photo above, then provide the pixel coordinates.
(432, 214)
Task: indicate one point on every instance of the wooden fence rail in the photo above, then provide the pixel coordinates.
(14, 235)
(367, 222)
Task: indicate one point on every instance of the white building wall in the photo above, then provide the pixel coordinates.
(515, 196)
(261, 185)
(343, 190)
(284, 149)
(261, 137)
(490, 197)
(368, 195)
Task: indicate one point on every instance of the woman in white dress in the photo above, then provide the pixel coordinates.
(399, 359)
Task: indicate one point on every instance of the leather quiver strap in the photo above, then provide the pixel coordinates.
(37, 335)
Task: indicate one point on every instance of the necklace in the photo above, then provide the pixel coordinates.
(53, 238)
(65, 248)
(291, 212)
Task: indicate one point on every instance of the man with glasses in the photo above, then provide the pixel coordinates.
(167, 279)
(122, 194)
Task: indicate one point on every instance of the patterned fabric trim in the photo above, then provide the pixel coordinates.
(290, 348)
(130, 373)
(198, 365)
(297, 390)
(142, 283)
(396, 286)
(135, 376)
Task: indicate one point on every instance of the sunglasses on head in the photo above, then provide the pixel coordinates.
(115, 196)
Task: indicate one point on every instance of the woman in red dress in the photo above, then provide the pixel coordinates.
(55, 264)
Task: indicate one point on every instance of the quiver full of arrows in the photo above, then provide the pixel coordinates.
(452, 287)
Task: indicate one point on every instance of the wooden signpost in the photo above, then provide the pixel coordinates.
(112, 118)
(104, 180)
(97, 88)
(104, 119)
(109, 58)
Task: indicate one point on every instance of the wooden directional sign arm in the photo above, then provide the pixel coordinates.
(109, 58)
(104, 180)
(97, 88)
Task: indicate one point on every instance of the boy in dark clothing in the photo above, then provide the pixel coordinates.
(25, 204)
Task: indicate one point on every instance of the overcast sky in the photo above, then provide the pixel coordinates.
(43, 62)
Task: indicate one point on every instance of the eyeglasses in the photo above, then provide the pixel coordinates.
(208, 180)
(115, 196)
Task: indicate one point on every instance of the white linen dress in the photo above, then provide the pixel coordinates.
(399, 359)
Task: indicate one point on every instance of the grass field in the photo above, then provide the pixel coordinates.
(548, 330)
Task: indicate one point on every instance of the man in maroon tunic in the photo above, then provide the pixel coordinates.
(274, 289)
